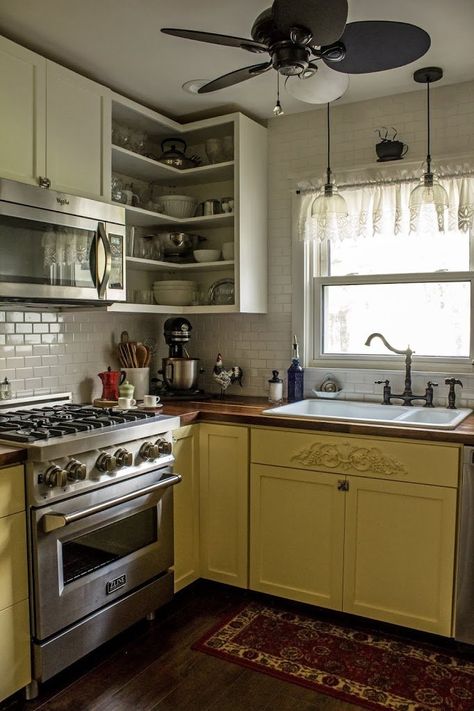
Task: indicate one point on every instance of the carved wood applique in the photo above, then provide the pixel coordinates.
(346, 456)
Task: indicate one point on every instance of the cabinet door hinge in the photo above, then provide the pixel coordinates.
(343, 485)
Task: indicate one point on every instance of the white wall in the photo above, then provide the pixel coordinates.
(55, 351)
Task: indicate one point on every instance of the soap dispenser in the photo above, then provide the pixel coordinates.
(295, 376)
(275, 388)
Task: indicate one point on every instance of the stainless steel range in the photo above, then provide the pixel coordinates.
(99, 496)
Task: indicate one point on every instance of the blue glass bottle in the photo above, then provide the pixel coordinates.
(295, 376)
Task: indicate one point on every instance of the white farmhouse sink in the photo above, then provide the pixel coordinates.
(430, 417)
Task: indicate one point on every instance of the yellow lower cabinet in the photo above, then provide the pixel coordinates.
(13, 570)
(14, 649)
(223, 455)
(399, 553)
(186, 507)
(297, 534)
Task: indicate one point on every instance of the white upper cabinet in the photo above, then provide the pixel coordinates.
(229, 176)
(55, 125)
(22, 114)
(77, 129)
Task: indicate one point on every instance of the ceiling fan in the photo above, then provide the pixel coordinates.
(297, 34)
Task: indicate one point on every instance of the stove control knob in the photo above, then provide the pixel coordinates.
(164, 447)
(149, 451)
(75, 470)
(123, 457)
(55, 476)
(106, 463)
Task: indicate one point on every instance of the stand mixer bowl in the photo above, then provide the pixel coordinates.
(180, 373)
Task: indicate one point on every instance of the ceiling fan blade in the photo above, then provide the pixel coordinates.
(326, 20)
(377, 45)
(213, 38)
(235, 77)
(323, 87)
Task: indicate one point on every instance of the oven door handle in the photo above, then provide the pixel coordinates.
(52, 521)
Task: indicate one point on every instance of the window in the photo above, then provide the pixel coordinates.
(415, 289)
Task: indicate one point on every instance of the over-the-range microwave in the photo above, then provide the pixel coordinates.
(58, 249)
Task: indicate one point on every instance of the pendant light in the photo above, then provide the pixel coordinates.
(328, 206)
(428, 194)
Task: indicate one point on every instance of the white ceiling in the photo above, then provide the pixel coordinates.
(118, 42)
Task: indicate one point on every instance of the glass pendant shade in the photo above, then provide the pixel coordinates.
(429, 192)
(329, 202)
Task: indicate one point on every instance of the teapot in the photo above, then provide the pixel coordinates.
(111, 379)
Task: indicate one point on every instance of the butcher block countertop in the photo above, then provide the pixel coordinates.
(11, 455)
(248, 411)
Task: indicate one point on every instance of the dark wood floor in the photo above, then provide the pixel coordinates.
(152, 666)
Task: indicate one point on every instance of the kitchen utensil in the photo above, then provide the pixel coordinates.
(180, 206)
(180, 373)
(207, 255)
(221, 292)
(178, 243)
(111, 379)
(173, 154)
(140, 379)
(142, 354)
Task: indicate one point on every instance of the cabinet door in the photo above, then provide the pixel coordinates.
(22, 116)
(186, 507)
(224, 503)
(14, 649)
(13, 567)
(296, 534)
(399, 553)
(78, 133)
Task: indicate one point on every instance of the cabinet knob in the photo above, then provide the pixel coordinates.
(342, 485)
(44, 182)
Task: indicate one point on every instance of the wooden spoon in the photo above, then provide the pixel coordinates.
(141, 354)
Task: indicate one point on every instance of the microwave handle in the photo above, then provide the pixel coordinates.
(51, 521)
(104, 238)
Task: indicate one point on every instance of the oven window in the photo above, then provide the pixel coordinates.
(87, 553)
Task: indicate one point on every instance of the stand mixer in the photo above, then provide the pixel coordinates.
(179, 372)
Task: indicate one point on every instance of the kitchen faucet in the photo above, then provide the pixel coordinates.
(407, 396)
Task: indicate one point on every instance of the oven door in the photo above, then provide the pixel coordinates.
(50, 256)
(96, 547)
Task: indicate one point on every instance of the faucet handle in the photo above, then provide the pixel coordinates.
(430, 384)
(452, 381)
(382, 382)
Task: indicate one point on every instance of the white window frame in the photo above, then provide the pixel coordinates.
(308, 306)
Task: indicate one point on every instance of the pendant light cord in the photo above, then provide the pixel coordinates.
(329, 147)
(428, 155)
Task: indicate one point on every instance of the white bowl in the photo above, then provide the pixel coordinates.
(178, 205)
(177, 298)
(327, 395)
(207, 255)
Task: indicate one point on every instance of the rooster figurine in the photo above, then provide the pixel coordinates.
(226, 377)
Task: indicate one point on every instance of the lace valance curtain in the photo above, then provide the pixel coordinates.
(378, 209)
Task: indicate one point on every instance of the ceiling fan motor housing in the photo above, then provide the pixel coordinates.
(290, 59)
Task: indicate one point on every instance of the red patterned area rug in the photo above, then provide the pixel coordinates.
(372, 670)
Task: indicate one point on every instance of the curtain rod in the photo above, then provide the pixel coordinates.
(386, 181)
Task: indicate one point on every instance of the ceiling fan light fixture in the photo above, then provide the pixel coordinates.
(429, 193)
(323, 86)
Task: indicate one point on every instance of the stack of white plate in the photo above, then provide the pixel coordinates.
(176, 292)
